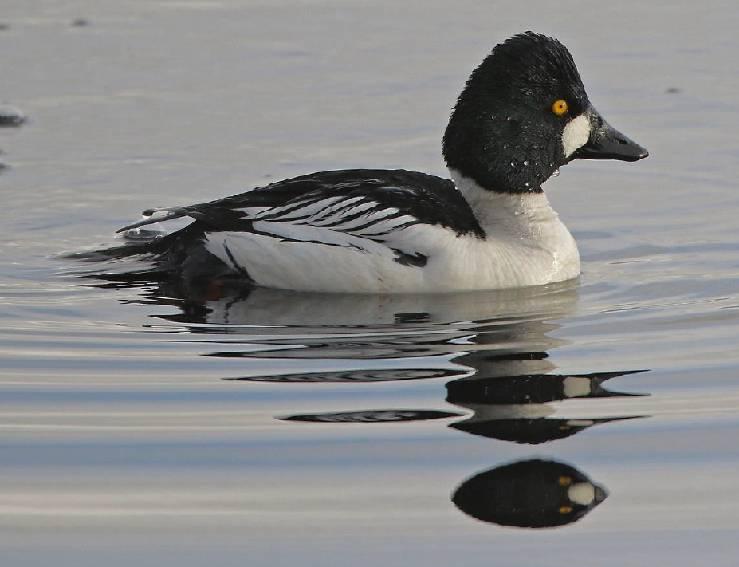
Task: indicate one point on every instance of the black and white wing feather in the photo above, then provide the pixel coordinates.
(352, 230)
(362, 201)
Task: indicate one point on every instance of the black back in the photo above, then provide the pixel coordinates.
(428, 198)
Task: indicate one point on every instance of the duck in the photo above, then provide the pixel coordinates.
(522, 114)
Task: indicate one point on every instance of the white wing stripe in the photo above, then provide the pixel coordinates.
(337, 210)
(304, 208)
(357, 222)
(357, 217)
(387, 226)
(354, 217)
(342, 214)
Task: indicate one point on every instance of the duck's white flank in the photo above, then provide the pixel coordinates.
(526, 244)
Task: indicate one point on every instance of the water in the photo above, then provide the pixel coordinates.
(143, 424)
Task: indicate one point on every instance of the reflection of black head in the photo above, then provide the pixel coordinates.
(531, 431)
(533, 494)
(514, 408)
(531, 388)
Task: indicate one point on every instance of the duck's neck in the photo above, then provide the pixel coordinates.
(525, 214)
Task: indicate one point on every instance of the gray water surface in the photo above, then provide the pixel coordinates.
(143, 424)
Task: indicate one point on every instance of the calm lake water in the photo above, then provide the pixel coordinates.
(148, 425)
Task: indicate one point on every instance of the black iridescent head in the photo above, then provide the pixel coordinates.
(524, 113)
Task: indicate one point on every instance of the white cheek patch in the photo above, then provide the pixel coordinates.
(575, 134)
(582, 493)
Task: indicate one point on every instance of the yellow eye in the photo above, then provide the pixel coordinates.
(565, 509)
(559, 107)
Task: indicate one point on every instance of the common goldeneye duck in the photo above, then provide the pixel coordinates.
(522, 115)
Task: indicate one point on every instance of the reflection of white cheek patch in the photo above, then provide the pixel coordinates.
(576, 386)
(582, 493)
(580, 422)
(575, 134)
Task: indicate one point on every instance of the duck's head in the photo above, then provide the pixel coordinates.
(523, 114)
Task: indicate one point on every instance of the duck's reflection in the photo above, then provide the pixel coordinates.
(518, 408)
(534, 493)
(531, 388)
(494, 346)
(508, 408)
(530, 431)
(363, 375)
(505, 378)
(372, 416)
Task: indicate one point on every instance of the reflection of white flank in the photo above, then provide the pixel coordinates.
(458, 313)
(582, 493)
(576, 387)
(580, 422)
(490, 412)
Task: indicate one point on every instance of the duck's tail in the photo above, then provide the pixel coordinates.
(151, 245)
(179, 254)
